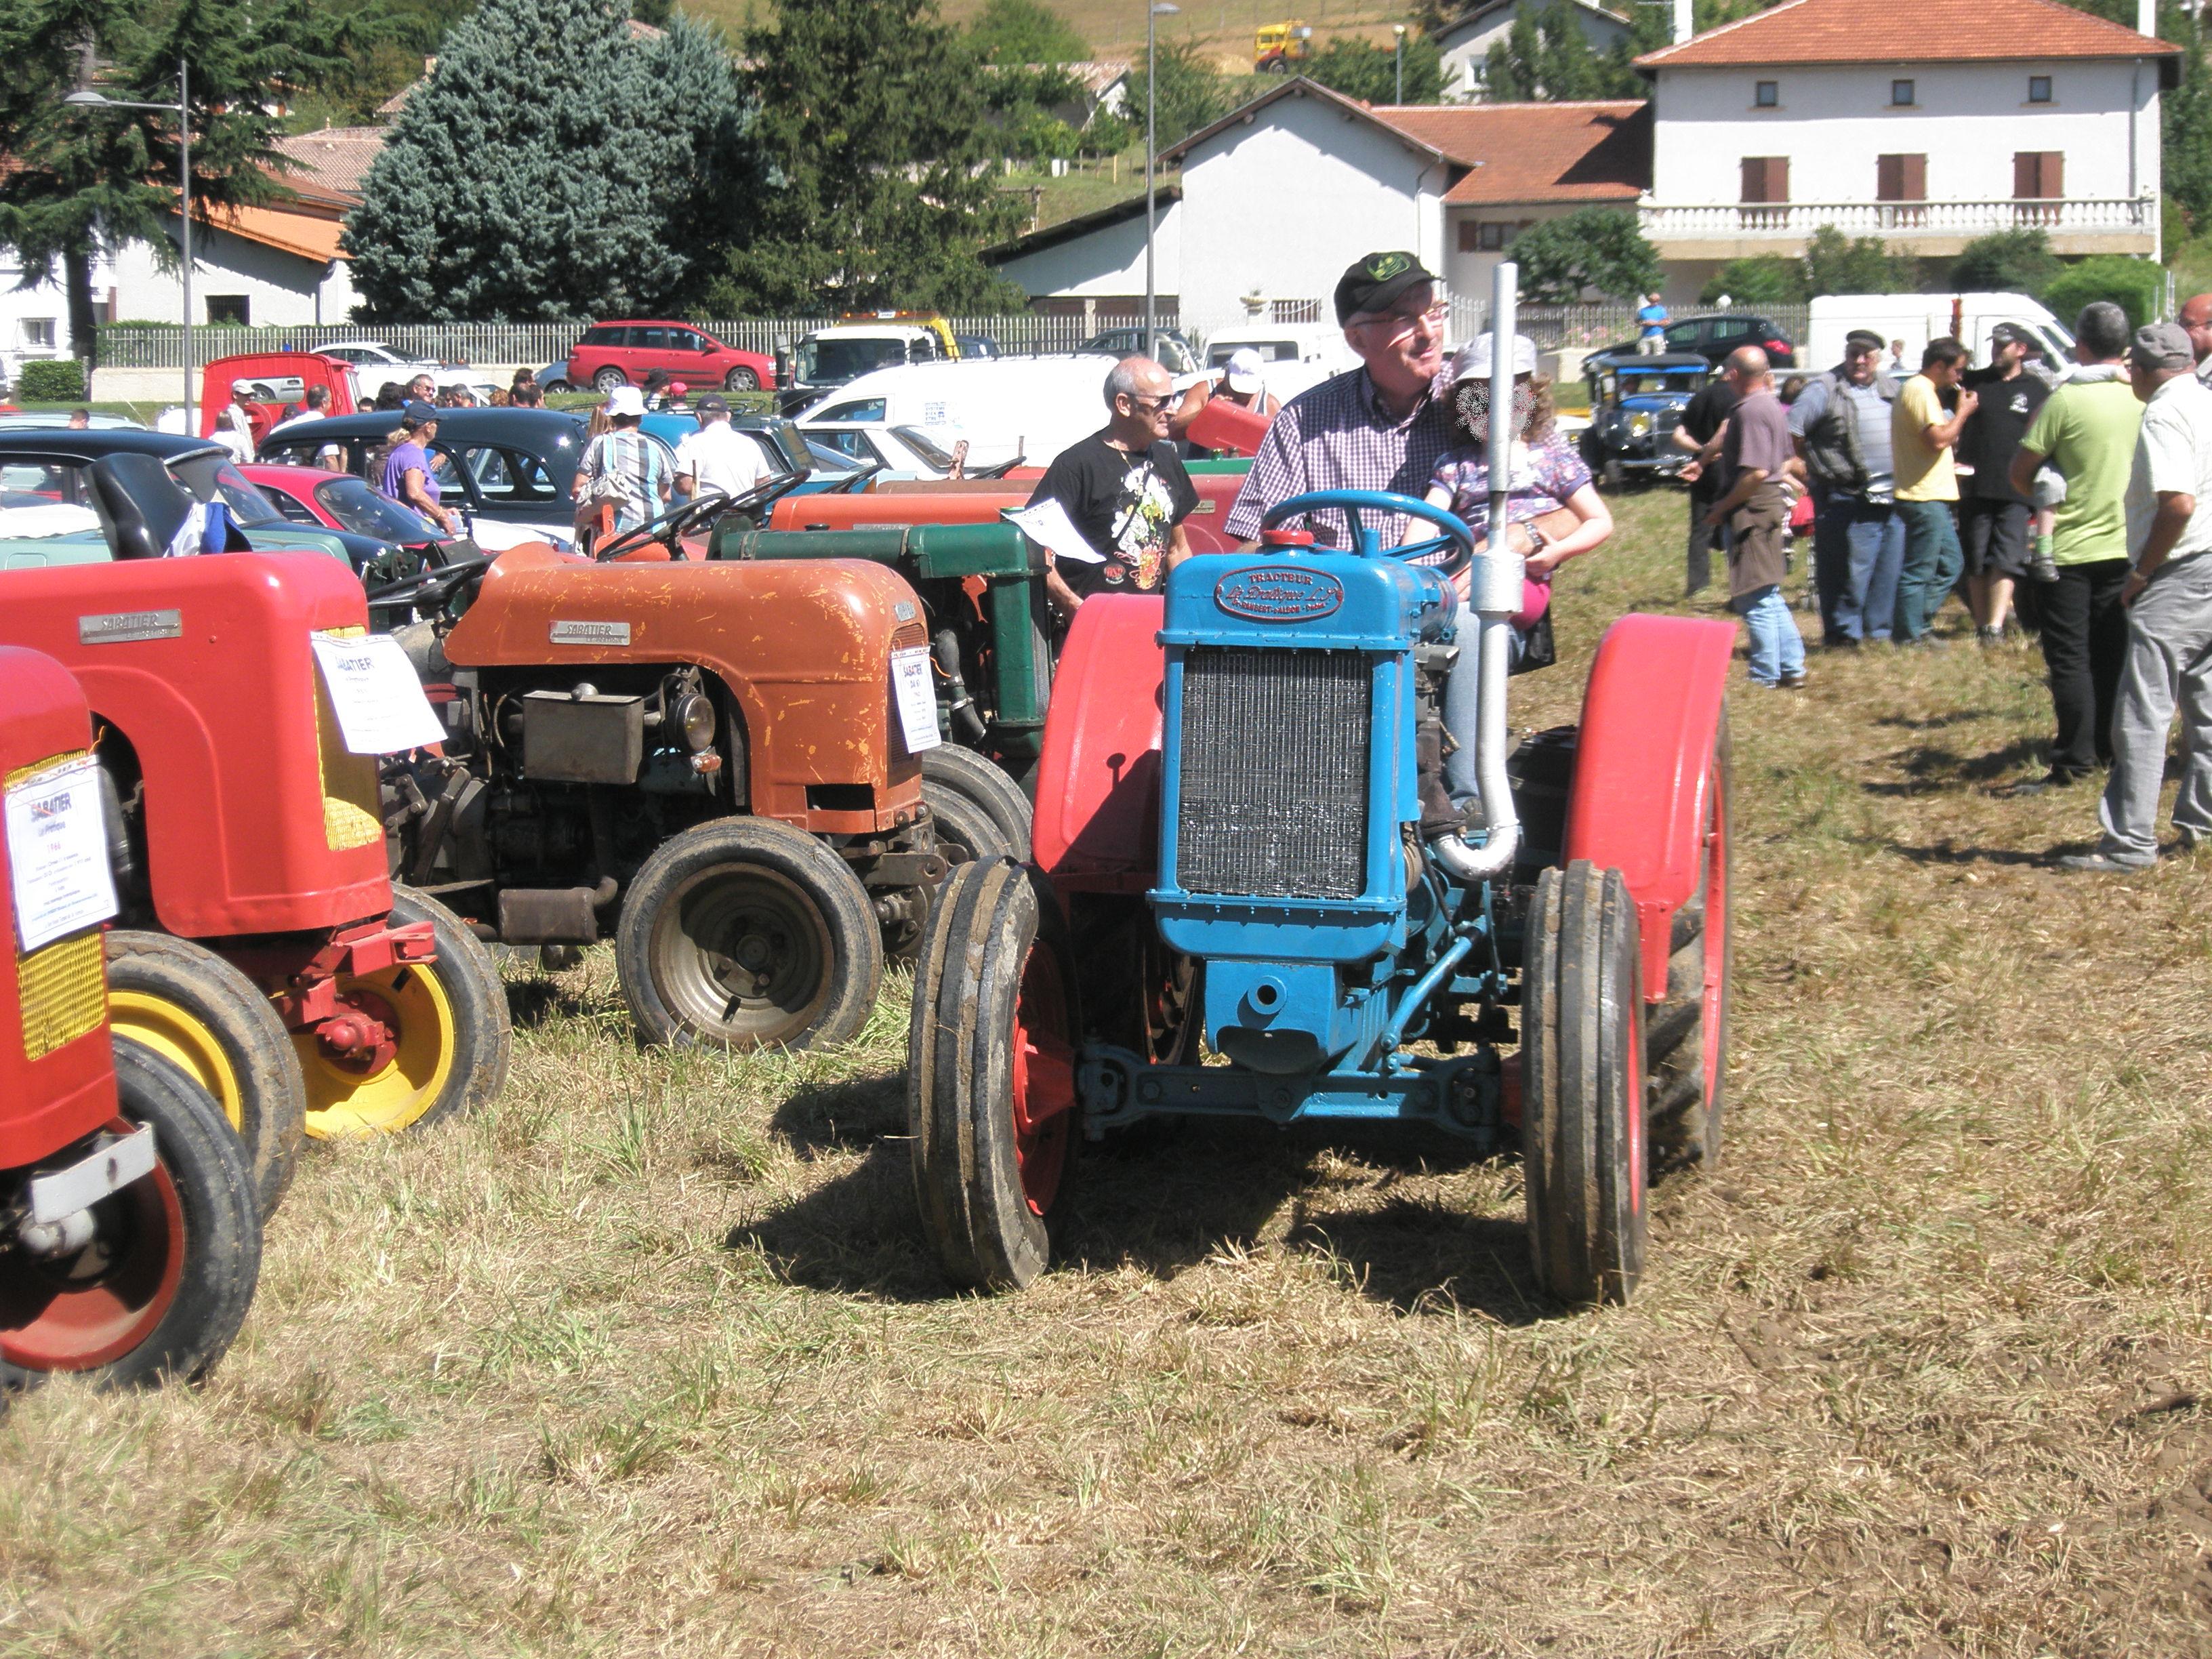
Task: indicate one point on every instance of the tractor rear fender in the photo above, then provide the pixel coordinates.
(1098, 823)
(1649, 716)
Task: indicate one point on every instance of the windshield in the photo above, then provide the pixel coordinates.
(361, 510)
(914, 439)
(833, 361)
(207, 475)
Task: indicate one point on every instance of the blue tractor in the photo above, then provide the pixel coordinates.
(1250, 897)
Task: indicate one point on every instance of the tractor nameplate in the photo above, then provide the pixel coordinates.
(1279, 594)
(591, 633)
(121, 627)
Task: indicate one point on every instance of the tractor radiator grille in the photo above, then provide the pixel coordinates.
(1274, 773)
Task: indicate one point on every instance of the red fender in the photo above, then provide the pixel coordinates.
(1096, 823)
(1649, 717)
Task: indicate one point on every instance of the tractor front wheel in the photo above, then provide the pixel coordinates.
(991, 1073)
(1686, 1036)
(448, 1037)
(161, 1286)
(948, 770)
(198, 1012)
(1582, 1068)
(746, 933)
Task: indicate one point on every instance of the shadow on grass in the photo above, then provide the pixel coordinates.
(1949, 852)
(1930, 770)
(533, 1003)
(1162, 1198)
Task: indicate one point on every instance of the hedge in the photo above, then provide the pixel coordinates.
(2135, 285)
(52, 380)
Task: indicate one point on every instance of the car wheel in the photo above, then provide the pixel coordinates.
(608, 378)
(741, 379)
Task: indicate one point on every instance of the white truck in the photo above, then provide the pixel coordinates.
(1294, 357)
(838, 353)
(907, 418)
(1917, 318)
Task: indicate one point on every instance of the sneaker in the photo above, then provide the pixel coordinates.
(2186, 840)
(2047, 782)
(1988, 638)
(1791, 682)
(2104, 863)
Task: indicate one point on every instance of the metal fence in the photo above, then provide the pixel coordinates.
(1552, 327)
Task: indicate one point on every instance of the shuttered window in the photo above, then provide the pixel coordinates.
(1765, 179)
(2038, 175)
(1900, 178)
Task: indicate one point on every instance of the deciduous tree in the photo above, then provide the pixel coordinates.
(1595, 248)
(1363, 69)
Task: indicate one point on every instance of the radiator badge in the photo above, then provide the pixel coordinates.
(121, 627)
(1276, 593)
(591, 633)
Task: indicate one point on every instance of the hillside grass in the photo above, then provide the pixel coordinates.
(651, 1356)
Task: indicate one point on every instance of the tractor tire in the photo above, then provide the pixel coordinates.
(1581, 1053)
(455, 1037)
(1686, 1036)
(990, 1074)
(741, 379)
(187, 1004)
(608, 378)
(160, 1291)
(948, 770)
(747, 933)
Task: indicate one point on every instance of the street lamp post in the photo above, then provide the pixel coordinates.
(1398, 29)
(86, 97)
(1158, 9)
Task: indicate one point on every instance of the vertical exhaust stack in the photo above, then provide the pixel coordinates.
(1686, 26)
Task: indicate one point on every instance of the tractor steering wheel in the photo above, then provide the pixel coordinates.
(432, 585)
(666, 527)
(1366, 542)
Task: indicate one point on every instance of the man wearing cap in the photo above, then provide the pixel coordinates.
(2087, 430)
(1841, 426)
(718, 458)
(1240, 382)
(1993, 516)
(628, 469)
(1377, 427)
(234, 428)
(2169, 599)
(406, 476)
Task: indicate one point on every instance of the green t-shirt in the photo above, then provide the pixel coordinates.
(2088, 431)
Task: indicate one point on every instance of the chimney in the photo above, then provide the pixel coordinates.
(1683, 28)
(2147, 17)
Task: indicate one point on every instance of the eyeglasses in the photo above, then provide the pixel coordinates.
(1405, 322)
(1148, 405)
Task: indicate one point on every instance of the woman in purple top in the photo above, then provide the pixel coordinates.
(1547, 476)
(407, 476)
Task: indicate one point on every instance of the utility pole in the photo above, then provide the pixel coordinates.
(1153, 12)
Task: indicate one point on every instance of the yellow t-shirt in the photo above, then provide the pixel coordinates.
(1924, 473)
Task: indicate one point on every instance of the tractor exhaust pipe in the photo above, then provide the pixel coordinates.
(1495, 586)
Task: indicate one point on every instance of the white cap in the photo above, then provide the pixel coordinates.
(1244, 375)
(1471, 361)
(240, 388)
(626, 400)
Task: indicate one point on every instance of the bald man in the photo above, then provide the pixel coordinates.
(1754, 509)
(2196, 317)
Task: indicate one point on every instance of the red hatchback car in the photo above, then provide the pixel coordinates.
(622, 354)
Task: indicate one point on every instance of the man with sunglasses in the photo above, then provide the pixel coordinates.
(1377, 427)
(1125, 489)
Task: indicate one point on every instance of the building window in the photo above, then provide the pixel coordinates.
(2038, 89)
(1900, 95)
(1766, 95)
(230, 309)
(1766, 180)
(1486, 236)
(38, 334)
(2038, 175)
(1900, 177)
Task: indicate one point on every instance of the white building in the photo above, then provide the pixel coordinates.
(1464, 44)
(1924, 123)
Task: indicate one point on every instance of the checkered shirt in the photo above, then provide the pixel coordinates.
(1339, 436)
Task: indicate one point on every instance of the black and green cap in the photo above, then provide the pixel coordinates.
(1375, 282)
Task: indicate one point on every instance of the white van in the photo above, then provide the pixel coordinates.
(1917, 318)
(1294, 357)
(908, 417)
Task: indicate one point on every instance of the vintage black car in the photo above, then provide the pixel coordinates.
(1636, 403)
(514, 465)
(1714, 336)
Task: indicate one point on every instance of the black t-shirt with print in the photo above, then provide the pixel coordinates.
(1992, 433)
(1126, 505)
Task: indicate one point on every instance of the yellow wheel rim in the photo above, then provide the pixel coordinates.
(341, 1101)
(177, 1035)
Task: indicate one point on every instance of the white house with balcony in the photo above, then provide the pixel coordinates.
(1922, 123)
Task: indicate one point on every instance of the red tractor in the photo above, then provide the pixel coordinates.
(1242, 841)
(235, 736)
(130, 1233)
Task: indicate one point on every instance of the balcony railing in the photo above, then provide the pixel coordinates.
(1795, 221)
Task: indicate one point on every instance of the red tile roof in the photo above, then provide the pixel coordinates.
(1908, 31)
(332, 159)
(1566, 152)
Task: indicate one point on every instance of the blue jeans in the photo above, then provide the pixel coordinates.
(1777, 647)
(1873, 542)
(1933, 561)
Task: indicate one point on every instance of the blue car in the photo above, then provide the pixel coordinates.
(1636, 403)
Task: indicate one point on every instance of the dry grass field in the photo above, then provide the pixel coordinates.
(652, 1359)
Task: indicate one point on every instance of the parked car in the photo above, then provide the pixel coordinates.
(1173, 353)
(1714, 337)
(516, 466)
(377, 365)
(341, 501)
(621, 354)
(554, 377)
(1636, 403)
(21, 423)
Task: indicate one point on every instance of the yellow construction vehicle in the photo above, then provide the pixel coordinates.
(1276, 47)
